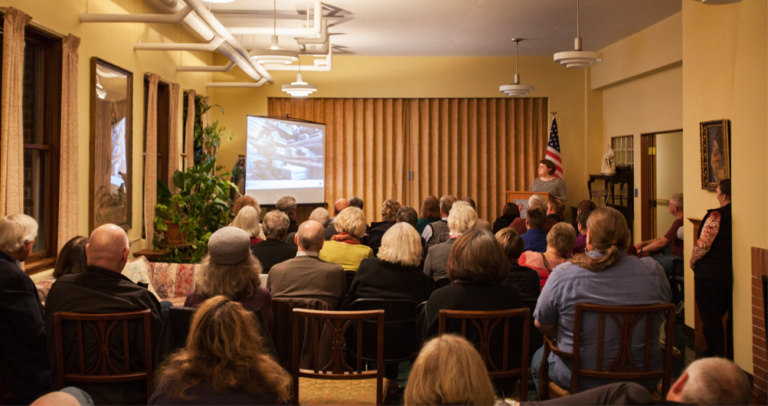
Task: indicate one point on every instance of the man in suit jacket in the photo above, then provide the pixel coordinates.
(274, 250)
(307, 276)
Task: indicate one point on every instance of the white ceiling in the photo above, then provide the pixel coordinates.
(453, 27)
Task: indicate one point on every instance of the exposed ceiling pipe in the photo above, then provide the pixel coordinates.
(231, 48)
(258, 83)
(221, 68)
(313, 31)
(323, 37)
(171, 46)
(323, 64)
(136, 18)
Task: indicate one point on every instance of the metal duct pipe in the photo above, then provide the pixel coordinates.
(230, 48)
(258, 83)
(323, 64)
(222, 68)
(168, 46)
(136, 18)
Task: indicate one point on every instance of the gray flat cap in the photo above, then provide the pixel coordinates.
(229, 246)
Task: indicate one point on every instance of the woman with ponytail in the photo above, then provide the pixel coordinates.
(604, 275)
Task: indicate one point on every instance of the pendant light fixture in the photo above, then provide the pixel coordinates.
(578, 58)
(299, 88)
(515, 89)
(275, 55)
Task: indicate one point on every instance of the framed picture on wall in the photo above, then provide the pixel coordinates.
(111, 134)
(715, 152)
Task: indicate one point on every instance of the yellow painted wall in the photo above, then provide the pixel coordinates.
(359, 76)
(114, 42)
(724, 76)
(641, 82)
(669, 176)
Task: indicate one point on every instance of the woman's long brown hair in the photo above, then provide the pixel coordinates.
(225, 353)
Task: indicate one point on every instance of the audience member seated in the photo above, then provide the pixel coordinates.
(585, 205)
(547, 181)
(668, 247)
(388, 213)
(559, 242)
(407, 214)
(231, 270)
(707, 381)
(437, 231)
(338, 207)
(524, 279)
(71, 258)
(320, 214)
(66, 396)
(274, 249)
(247, 219)
(430, 212)
(24, 369)
(462, 219)
(287, 205)
(355, 201)
(535, 237)
(534, 202)
(308, 276)
(580, 244)
(345, 247)
(508, 214)
(395, 274)
(481, 223)
(103, 289)
(247, 200)
(555, 209)
(224, 362)
(605, 275)
(476, 267)
(449, 371)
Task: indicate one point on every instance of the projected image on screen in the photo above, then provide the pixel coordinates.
(285, 158)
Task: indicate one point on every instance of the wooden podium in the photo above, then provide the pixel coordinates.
(520, 198)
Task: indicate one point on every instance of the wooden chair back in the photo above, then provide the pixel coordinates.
(282, 328)
(100, 363)
(336, 325)
(621, 364)
(500, 336)
(400, 340)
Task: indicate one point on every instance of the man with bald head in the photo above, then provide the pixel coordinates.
(340, 205)
(308, 276)
(103, 289)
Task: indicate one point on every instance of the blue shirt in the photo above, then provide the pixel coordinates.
(535, 239)
(631, 281)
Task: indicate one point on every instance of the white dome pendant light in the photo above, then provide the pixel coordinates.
(515, 89)
(578, 58)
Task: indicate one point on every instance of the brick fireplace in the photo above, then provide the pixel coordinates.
(759, 317)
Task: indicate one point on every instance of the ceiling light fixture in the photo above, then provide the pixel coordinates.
(515, 89)
(299, 88)
(275, 55)
(578, 58)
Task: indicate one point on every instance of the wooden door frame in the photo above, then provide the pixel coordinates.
(648, 183)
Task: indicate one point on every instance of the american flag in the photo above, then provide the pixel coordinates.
(553, 149)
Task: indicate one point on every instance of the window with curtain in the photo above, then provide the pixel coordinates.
(163, 126)
(41, 104)
(408, 149)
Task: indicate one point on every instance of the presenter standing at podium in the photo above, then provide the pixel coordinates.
(548, 182)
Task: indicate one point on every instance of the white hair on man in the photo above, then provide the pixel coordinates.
(537, 202)
(401, 244)
(712, 381)
(276, 225)
(321, 215)
(677, 200)
(16, 230)
(461, 218)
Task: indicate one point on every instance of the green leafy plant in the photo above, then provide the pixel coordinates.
(201, 202)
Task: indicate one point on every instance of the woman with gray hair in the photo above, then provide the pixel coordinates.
(461, 219)
(345, 248)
